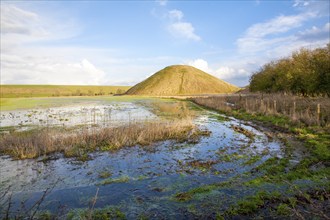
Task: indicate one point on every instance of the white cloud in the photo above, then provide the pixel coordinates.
(162, 2)
(183, 30)
(23, 63)
(179, 28)
(17, 69)
(277, 25)
(16, 21)
(200, 64)
(314, 33)
(176, 15)
(298, 3)
(233, 73)
(225, 72)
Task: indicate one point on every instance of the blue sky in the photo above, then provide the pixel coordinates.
(123, 42)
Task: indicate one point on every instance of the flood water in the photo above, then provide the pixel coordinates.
(139, 181)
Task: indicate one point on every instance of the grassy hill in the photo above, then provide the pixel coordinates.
(181, 80)
(15, 91)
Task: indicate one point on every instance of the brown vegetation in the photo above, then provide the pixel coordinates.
(35, 143)
(310, 111)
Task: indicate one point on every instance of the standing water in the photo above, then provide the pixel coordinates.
(147, 181)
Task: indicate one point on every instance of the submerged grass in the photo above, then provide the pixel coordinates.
(35, 143)
(312, 169)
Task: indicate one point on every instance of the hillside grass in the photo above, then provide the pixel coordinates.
(181, 80)
(20, 91)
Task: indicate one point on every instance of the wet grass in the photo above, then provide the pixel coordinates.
(311, 170)
(121, 179)
(207, 188)
(39, 142)
(244, 131)
(105, 174)
(104, 213)
(252, 160)
(7, 104)
(202, 164)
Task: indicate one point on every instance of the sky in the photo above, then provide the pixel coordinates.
(124, 42)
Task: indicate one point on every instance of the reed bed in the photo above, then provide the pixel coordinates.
(310, 111)
(35, 143)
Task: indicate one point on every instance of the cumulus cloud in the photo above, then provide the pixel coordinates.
(231, 73)
(23, 63)
(183, 30)
(17, 69)
(179, 28)
(175, 15)
(200, 64)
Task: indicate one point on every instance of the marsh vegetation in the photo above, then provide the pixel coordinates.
(163, 158)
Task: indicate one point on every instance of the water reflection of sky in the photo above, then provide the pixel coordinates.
(164, 166)
(97, 114)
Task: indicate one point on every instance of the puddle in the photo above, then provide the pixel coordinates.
(138, 180)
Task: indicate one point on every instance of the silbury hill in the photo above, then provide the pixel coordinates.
(181, 80)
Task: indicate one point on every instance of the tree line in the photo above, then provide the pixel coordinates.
(306, 72)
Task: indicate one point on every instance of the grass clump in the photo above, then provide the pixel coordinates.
(252, 160)
(283, 209)
(202, 164)
(97, 214)
(105, 174)
(121, 179)
(186, 196)
(39, 142)
(244, 131)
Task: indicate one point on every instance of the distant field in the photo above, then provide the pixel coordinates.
(19, 91)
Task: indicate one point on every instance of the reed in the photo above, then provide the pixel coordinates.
(307, 110)
(35, 143)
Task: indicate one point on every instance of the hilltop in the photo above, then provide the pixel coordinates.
(181, 80)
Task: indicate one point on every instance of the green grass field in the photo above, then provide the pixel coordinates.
(8, 104)
(19, 91)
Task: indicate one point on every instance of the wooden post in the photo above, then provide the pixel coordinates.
(275, 106)
(318, 113)
(294, 111)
